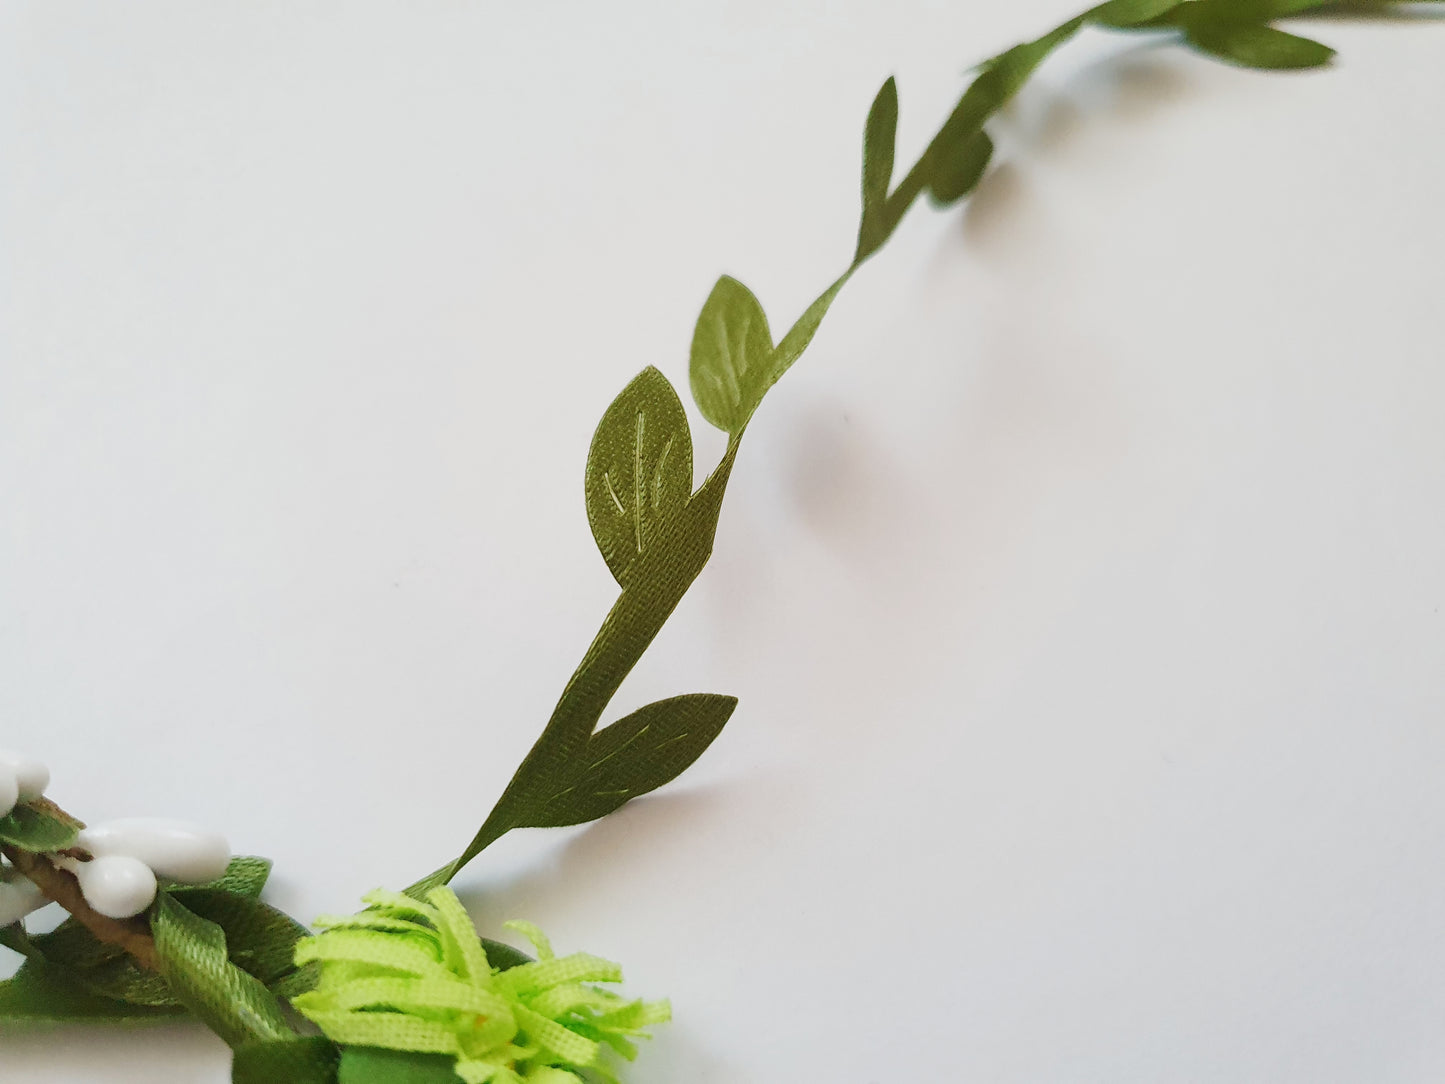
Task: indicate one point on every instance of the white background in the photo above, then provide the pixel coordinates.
(1082, 586)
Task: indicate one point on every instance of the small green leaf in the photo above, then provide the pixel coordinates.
(639, 470)
(879, 138)
(637, 754)
(41, 993)
(731, 353)
(233, 1004)
(957, 168)
(16, 939)
(36, 831)
(1258, 46)
(122, 979)
(260, 940)
(102, 969)
(372, 1065)
(310, 1059)
(1127, 13)
(503, 956)
(71, 945)
(246, 875)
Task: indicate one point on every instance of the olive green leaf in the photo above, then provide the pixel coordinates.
(958, 167)
(1128, 13)
(1258, 46)
(233, 1004)
(635, 755)
(72, 945)
(310, 1059)
(36, 830)
(246, 875)
(372, 1065)
(42, 993)
(503, 956)
(639, 470)
(260, 939)
(731, 351)
(879, 139)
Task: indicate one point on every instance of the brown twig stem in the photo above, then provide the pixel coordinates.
(132, 935)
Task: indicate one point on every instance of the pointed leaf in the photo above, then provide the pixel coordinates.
(1259, 46)
(260, 940)
(308, 1059)
(246, 875)
(36, 830)
(637, 754)
(879, 139)
(959, 167)
(40, 993)
(103, 969)
(371, 1065)
(731, 351)
(72, 945)
(1127, 13)
(193, 959)
(503, 956)
(639, 470)
(122, 979)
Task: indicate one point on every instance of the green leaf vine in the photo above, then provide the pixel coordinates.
(219, 953)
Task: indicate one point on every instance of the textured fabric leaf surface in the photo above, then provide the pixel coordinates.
(731, 350)
(310, 1059)
(233, 1004)
(370, 1065)
(35, 830)
(639, 470)
(39, 993)
(638, 754)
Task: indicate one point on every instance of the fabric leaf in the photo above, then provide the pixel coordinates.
(42, 993)
(959, 167)
(36, 830)
(233, 1004)
(637, 754)
(879, 137)
(731, 350)
(260, 940)
(309, 1059)
(373, 1065)
(503, 956)
(639, 470)
(1259, 46)
(1127, 13)
(246, 875)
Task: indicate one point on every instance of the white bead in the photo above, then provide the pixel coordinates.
(9, 790)
(175, 850)
(18, 897)
(117, 885)
(32, 776)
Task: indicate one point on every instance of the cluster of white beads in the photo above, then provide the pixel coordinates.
(22, 779)
(127, 856)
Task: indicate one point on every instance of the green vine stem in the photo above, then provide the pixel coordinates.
(734, 363)
(220, 953)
